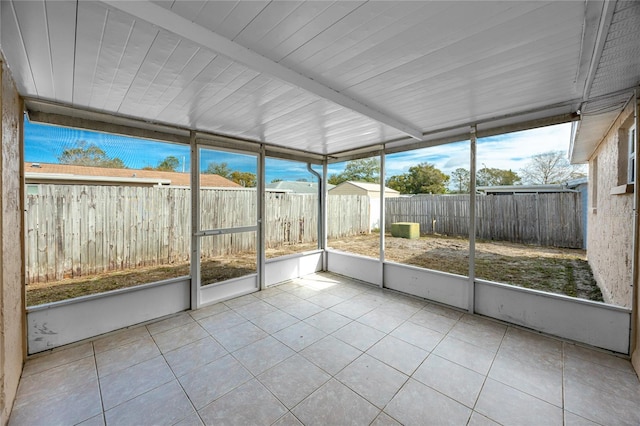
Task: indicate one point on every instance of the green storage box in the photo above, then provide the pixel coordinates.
(405, 230)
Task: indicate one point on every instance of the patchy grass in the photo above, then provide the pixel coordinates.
(563, 271)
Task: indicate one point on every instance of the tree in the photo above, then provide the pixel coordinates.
(220, 169)
(89, 154)
(276, 180)
(424, 178)
(549, 168)
(487, 176)
(246, 179)
(169, 164)
(363, 170)
(461, 178)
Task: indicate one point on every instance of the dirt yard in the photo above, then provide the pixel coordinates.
(563, 271)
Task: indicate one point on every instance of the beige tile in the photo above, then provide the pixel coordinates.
(164, 405)
(293, 380)
(598, 357)
(465, 354)
(571, 419)
(537, 378)
(433, 321)
(221, 321)
(328, 321)
(507, 405)
(398, 354)
(372, 379)
(481, 333)
(325, 300)
(282, 299)
(444, 311)
(194, 355)
(534, 346)
(398, 310)
(56, 358)
(417, 335)
(299, 336)
(211, 381)
(380, 321)
(416, 404)
(61, 379)
(288, 420)
(359, 335)
(174, 321)
(192, 419)
(241, 301)
(344, 292)
(335, 404)
(94, 421)
(122, 357)
(253, 310)
(304, 292)
(239, 336)
(384, 419)
(302, 310)
(179, 336)
(120, 338)
(249, 404)
(268, 292)
(275, 321)
(68, 406)
(127, 384)
(480, 420)
(451, 379)
(263, 354)
(352, 308)
(208, 311)
(611, 380)
(591, 397)
(331, 354)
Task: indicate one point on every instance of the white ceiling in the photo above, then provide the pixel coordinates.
(318, 76)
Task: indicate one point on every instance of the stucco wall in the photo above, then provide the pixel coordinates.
(11, 288)
(610, 223)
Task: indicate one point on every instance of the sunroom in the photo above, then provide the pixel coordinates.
(308, 85)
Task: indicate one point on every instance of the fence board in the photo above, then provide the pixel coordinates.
(546, 219)
(77, 230)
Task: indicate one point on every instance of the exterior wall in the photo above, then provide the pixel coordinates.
(12, 316)
(610, 218)
(348, 189)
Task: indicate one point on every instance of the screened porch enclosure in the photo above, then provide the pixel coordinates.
(310, 85)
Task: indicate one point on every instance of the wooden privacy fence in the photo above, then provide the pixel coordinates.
(78, 230)
(546, 219)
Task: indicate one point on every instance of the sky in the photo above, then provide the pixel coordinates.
(45, 143)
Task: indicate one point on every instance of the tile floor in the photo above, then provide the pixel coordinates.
(326, 350)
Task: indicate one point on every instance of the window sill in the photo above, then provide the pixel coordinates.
(627, 188)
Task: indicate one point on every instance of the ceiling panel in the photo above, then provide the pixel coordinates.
(318, 75)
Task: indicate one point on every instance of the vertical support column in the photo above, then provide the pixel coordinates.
(472, 220)
(195, 222)
(324, 201)
(382, 215)
(260, 243)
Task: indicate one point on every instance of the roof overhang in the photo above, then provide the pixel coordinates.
(313, 79)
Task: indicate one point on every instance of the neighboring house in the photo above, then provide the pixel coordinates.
(36, 173)
(610, 210)
(372, 190)
(295, 187)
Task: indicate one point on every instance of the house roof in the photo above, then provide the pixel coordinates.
(367, 186)
(524, 189)
(296, 186)
(53, 172)
(322, 77)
